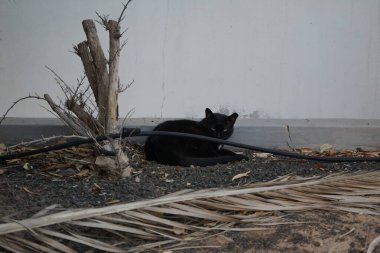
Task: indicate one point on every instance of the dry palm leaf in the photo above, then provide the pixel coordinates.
(182, 218)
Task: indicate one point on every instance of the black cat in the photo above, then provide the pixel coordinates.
(186, 151)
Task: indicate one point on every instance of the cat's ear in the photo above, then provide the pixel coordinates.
(209, 113)
(232, 118)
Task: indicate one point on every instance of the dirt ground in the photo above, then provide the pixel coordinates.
(24, 191)
(334, 232)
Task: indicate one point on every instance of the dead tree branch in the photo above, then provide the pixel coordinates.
(114, 39)
(68, 120)
(84, 116)
(122, 89)
(103, 20)
(89, 69)
(100, 68)
(14, 103)
(59, 79)
(121, 17)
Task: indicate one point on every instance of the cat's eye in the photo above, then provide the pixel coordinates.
(225, 130)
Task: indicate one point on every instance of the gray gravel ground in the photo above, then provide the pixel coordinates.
(30, 191)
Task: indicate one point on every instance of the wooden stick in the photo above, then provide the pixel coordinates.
(87, 119)
(100, 65)
(114, 37)
(73, 125)
(89, 67)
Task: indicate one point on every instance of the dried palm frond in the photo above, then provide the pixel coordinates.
(179, 219)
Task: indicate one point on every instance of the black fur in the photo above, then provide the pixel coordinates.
(185, 151)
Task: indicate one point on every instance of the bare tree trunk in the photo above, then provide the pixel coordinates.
(112, 113)
(100, 67)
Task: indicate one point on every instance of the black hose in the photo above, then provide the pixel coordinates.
(125, 133)
(261, 149)
(132, 132)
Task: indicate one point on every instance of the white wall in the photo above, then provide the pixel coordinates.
(263, 58)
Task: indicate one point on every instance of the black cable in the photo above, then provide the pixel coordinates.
(133, 132)
(261, 149)
(125, 133)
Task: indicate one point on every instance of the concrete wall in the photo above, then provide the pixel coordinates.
(270, 133)
(261, 58)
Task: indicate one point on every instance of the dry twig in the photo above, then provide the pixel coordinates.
(121, 17)
(122, 89)
(18, 100)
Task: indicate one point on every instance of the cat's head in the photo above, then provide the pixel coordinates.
(219, 125)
